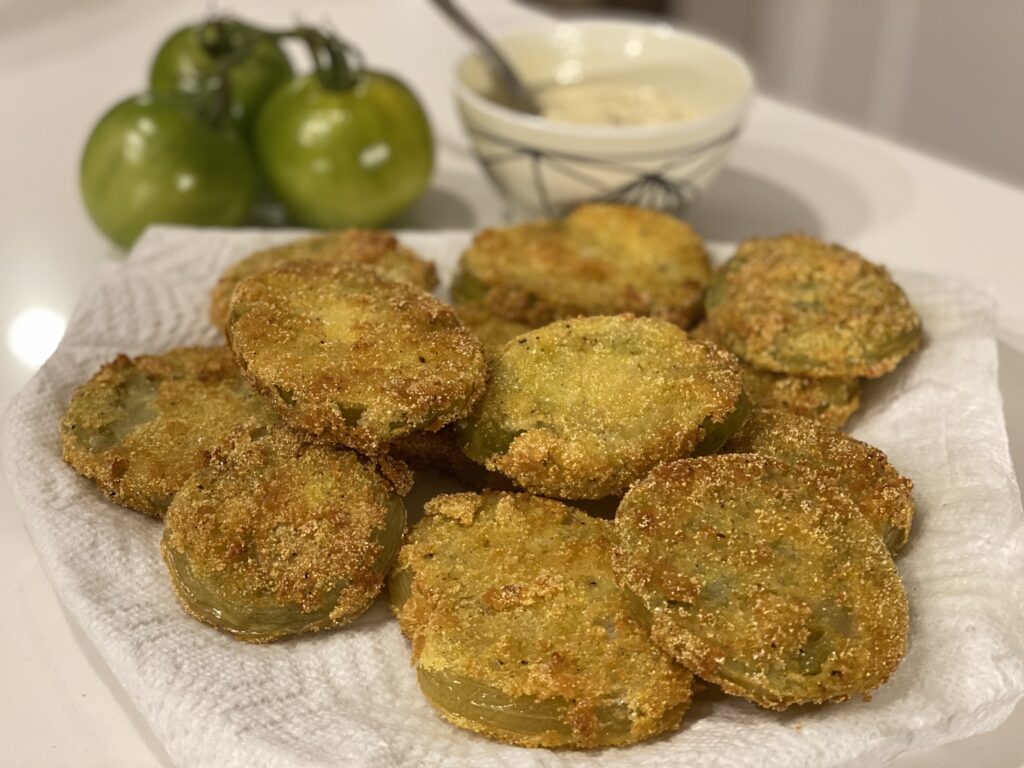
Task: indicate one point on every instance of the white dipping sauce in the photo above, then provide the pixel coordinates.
(608, 103)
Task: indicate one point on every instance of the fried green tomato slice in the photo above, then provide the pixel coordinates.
(277, 537)
(762, 578)
(141, 426)
(793, 304)
(831, 400)
(862, 472)
(519, 631)
(581, 408)
(351, 357)
(374, 248)
(603, 259)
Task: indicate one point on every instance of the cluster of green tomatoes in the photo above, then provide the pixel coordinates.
(227, 120)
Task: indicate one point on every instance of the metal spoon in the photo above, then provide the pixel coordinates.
(514, 93)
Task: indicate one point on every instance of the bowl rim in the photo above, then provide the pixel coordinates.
(728, 116)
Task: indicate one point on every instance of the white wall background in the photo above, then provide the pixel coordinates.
(944, 75)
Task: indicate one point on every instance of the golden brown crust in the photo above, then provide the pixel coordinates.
(762, 578)
(581, 408)
(796, 305)
(862, 472)
(277, 536)
(832, 400)
(374, 248)
(513, 597)
(141, 426)
(350, 357)
(603, 259)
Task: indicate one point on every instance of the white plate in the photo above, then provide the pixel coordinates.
(349, 697)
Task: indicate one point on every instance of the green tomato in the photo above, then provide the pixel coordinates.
(193, 56)
(336, 157)
(154, 159)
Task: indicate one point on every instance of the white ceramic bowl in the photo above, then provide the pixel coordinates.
(544, 167)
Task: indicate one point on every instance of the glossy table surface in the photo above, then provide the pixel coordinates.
(63, 63)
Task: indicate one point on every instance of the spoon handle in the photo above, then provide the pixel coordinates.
(518, 95)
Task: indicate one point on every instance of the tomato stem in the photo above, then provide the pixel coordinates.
(337, 63)
(215, 38)
(224, 42)
(330, 57)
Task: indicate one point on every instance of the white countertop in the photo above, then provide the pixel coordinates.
(64, 64)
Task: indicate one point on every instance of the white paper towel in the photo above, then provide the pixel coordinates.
(349, 697)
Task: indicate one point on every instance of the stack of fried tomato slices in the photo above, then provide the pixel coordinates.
(655, 502)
